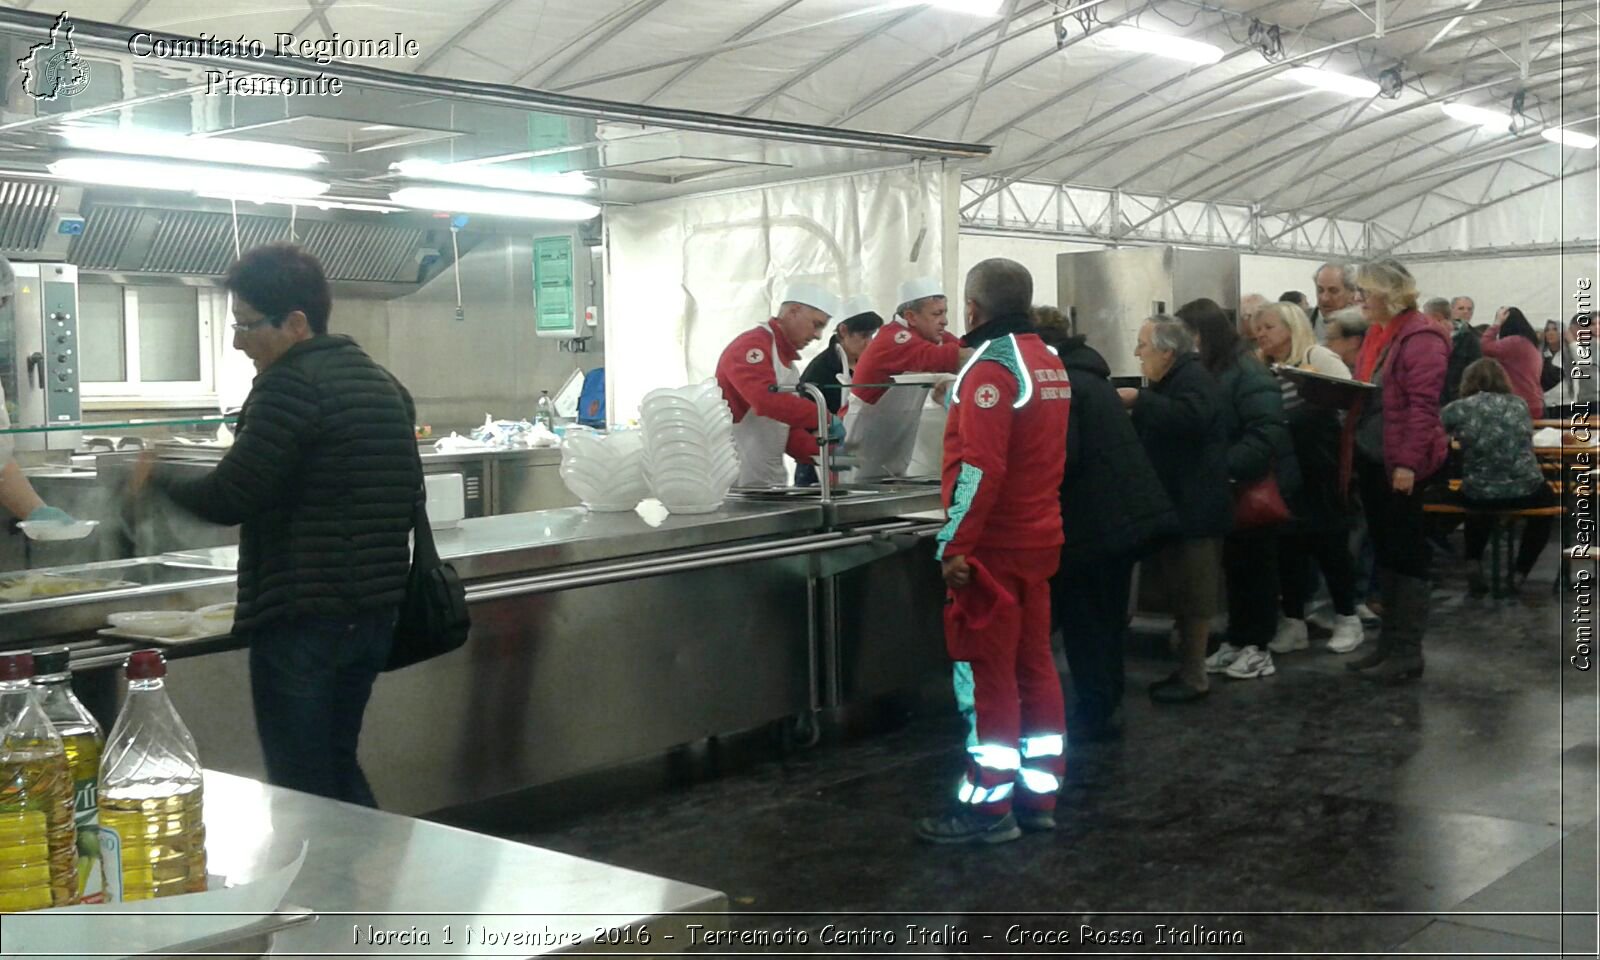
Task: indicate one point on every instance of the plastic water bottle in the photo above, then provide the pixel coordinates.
(152, 834)
(38, 841)
(81, 735)
(547, 411)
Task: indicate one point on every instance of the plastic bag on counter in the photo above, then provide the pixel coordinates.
(456, 443)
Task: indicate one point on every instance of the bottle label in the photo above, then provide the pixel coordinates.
(91, 886)
(111, 864)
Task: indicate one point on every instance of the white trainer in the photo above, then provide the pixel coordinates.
(1252, 662)
(1220, 661)
(1321, 618)
(1347, 634)
(1292, 636)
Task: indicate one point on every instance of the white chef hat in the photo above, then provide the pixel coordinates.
(920, 288)
(812, 295)
(855, 306)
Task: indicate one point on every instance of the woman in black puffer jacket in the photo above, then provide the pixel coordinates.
(1258, 445)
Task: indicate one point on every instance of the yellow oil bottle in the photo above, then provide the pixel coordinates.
(152, 831)
(81, 735)
(36, 804)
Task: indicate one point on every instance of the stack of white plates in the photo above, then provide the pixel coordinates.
(605, 471)
(689, 453)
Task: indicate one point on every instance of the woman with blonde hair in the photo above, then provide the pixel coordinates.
(1394, 442)
(1320, 530)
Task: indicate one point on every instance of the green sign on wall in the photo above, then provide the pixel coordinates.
(554, 291)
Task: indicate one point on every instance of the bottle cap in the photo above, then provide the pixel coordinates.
(16, 666)
(146, 665)
(51, 660)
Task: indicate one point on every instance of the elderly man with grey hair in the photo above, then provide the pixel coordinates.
(1336, 290)
(17, 496)
(1465, 347)
(1179, 419)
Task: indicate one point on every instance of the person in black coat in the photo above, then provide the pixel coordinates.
(1113, 509)
(1179, 421)
(323, 479)
(847, 344)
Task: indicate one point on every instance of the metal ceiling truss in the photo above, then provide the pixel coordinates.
(1413, 234)
(988, 68)
(1090, 213)
(456, 38)
(1249, 171)
(587, 44)
(1198, 100)
(822, 62)
(737, 35)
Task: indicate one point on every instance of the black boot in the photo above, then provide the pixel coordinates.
(1408, 611)
(1378, 649)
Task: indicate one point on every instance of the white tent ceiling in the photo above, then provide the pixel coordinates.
(1060, 105)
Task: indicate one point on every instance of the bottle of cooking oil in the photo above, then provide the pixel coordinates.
(81, 735)
(152, 837)
(38, 841)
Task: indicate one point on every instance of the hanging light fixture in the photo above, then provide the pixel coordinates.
(1334, 82)
(1569, 138)
(497, 178)
(252, 153)
(1163, 45)
(1478, 116)
(497, 203)
(198, 178)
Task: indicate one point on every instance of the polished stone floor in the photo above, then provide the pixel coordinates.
(1308, 813)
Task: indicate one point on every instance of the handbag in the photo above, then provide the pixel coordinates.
(1259, 504)
(433, 614)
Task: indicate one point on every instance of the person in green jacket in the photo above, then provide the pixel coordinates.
(1258, 446)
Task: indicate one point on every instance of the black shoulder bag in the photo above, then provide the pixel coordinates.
(433, 615)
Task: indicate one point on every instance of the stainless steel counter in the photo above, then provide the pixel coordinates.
(393, 873)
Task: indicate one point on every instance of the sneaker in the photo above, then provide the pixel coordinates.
(1220, 661)
(968, 826)
(1347, 635)
(1367, 614)
(1251, 662)
(1322, 618)
(1292, 636)
(1035, 821)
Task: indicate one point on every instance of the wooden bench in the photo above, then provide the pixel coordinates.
(1503, 523)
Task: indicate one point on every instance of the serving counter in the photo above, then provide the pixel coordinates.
(381, 884)
(597, 638)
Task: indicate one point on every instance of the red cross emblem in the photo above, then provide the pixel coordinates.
(986, 396)
(755, 356)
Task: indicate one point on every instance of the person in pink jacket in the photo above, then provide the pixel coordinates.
(1512, 341)
(1396, 443)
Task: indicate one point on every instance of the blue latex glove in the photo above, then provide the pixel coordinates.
(48, 514)
(835, 430)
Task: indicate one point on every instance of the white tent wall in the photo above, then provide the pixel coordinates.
(684, 277)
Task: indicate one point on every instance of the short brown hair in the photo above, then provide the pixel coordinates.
(280, 278)
(1484, 376)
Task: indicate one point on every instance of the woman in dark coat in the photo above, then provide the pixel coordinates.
(1113, 509)
(1179, 422)
(1258, 447)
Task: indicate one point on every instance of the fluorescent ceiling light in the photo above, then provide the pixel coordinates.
(1478, 116)
(495, 203)
(1569, 138)
(186, 177)
(977, 8)
(1163, 45)
(1336, 82)
(566, 184)
(254, 153)
(321, 203)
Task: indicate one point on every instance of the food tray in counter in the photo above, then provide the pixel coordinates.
(127, 633)
(35, 585)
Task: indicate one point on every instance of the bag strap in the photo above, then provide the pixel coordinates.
(427, 553)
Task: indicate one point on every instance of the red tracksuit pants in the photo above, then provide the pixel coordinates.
(1008, 689)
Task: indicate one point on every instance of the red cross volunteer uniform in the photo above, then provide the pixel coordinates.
(768, 424)
(1005, 450)
(881, 425)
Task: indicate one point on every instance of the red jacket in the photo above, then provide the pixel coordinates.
(745, 374)
(1005, 447)
(1412, 380)
(899, 349)
(1524, 364)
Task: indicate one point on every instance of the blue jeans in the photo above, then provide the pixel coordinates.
(310, 679)
(805, 475)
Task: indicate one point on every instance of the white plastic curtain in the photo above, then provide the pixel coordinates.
(684, 277)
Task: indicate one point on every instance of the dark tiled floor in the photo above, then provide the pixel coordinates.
(1311, 812)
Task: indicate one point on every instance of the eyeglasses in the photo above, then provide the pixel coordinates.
(247, 327)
